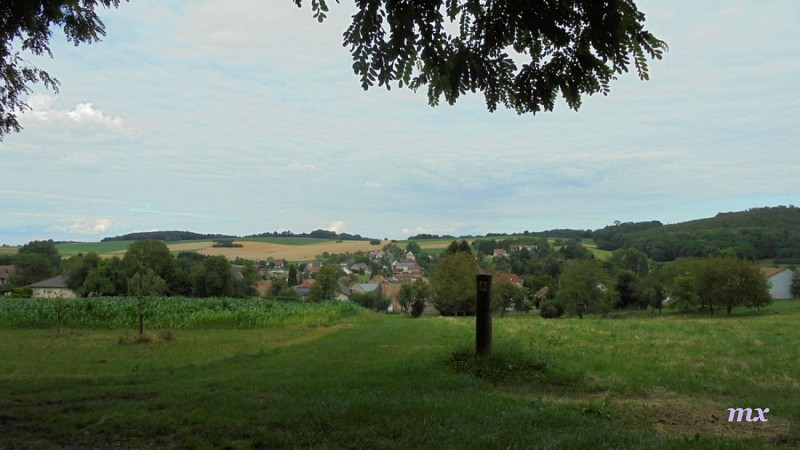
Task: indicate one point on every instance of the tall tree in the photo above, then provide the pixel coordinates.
(150, 254)
(292, 280)
(453, 284)
(77, 269)
(326, 284)
(586, 286)
(145, 283)
(212, 278)
(36, 261)
(731, 282)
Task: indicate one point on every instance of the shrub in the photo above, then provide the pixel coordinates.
(551, 310)
(417, 308)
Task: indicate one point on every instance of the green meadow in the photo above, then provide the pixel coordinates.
(366, 380)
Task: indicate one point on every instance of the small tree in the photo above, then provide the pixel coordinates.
(684, 293)
(292, 279)
(585, 286)
(506, 295)
(145, 283)
(453, 284)
(406, 296)
(326, 284)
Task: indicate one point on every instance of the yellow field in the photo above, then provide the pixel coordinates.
(264, 250)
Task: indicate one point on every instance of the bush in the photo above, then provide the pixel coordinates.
(551, 310)
(417, 308)
(372, 300)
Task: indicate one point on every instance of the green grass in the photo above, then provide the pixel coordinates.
(377, 381)
(73, 248)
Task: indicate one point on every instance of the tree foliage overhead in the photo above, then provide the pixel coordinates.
(521, 54)
(26, 26)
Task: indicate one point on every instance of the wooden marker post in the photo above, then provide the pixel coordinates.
(483, 316)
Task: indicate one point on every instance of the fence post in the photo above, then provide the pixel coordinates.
(483, 316)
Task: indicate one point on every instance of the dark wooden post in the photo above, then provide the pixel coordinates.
(483, 316)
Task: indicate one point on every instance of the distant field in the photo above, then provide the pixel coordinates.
(294, 252)
(287, 240)
(101, 248)
(289, 248)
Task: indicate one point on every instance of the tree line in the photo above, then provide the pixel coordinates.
(759, 233)
(559, 278)
(147, 268)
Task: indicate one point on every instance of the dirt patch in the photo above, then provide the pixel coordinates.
(679, 417)
(670, 414)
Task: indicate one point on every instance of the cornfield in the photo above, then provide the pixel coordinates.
(170, 312)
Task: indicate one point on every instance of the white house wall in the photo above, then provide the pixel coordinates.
(780, 284)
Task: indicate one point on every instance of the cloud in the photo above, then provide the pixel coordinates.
(82, 113)
(337, 226)
(372, 184)
(296, 166)
(88, 226)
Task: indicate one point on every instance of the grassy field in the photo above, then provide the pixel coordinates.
(377, 381)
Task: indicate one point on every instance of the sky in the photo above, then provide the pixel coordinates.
(210, 118)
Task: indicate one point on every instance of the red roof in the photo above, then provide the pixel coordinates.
(305, 284)
(512, 277)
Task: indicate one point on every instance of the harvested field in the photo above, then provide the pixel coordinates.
(264, 250)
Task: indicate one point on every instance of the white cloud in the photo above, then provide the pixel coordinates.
(337, 226)
(372, 184)
(88, 226)
(82, 113)
(296, 166)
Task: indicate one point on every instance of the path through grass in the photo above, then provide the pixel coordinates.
(375, 381)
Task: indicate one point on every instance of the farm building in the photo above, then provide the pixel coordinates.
(510, 277)
(55, 287)
(779, 281)
(5, 274)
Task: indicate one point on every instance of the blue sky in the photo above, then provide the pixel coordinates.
(204, 117)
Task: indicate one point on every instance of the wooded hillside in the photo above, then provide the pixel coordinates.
(758, 233)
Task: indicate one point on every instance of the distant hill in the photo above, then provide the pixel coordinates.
(190, 236)
(758, 233)
(316, 234)
(166, 236)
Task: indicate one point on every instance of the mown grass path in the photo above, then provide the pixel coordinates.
(374, 381)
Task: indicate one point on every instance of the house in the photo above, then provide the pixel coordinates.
(304, 289)
(500, 252)
(364, 288)
(510, 277)
(5, 274)
(515, 248)
(278, 263)
(779, 280)
(379, 285)
(360, 268)
(55, 287)
(391, 292)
